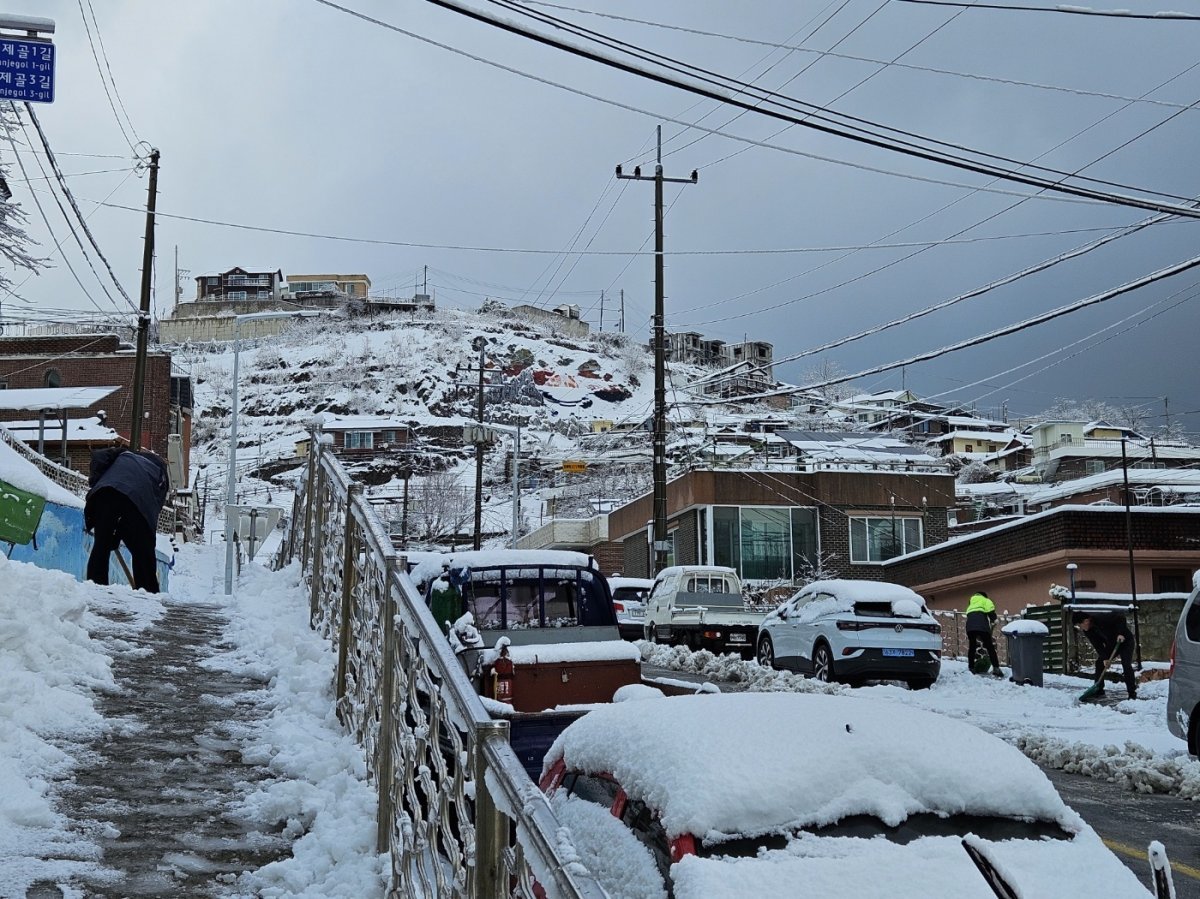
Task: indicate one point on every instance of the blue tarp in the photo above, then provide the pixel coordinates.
(60, 544)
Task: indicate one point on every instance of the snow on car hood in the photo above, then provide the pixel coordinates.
(758, 763)
(931, 866)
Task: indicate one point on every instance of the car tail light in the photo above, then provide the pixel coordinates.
(712, 635)
(618, 606)
(849, 650)
(843, 625)
(1171, 671)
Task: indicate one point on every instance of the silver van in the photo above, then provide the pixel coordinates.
(1183, 698)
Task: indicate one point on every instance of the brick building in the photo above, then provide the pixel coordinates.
(1017, 562)
(93, 360)
(772, 526)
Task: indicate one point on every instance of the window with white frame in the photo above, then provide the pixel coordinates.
(874, 540)
(360, 440)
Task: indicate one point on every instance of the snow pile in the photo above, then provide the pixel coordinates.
(860, 757)
(1132, 766)
(19, 472)
(51, 670)
(749, 676)
(609, 849)
(321, 795)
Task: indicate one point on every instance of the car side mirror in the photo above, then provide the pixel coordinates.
(783, 613)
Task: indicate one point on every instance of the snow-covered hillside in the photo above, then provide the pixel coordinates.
(577, 398)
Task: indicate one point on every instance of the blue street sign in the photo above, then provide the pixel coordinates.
(26, 70)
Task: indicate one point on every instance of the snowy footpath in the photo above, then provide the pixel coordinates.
(1127, 743)
(181, 744)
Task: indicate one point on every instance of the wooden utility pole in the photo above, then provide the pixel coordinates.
(1137, 631)
(660, 544)
(602, 311)
(622, 310)
(139, 366)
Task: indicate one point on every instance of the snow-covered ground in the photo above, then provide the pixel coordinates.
(1127, 743)
(60, 642)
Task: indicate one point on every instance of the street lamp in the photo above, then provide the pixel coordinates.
(1071, 566)
(230, 494)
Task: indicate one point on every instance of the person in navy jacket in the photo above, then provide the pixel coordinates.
(128, 489)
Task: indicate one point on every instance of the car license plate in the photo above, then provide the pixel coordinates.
(898, 653)
(737, 638)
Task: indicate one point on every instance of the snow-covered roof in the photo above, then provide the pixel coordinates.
(88, 429)
(34, 399)
(364, 423)
(813, 760)
(992, 436)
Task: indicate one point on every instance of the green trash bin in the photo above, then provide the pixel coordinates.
(1026, 650)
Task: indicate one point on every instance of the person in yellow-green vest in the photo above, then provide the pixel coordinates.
(981, 616)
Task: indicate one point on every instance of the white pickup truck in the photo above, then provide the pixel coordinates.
(701, 606)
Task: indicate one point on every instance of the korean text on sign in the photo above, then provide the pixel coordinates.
(26, 71)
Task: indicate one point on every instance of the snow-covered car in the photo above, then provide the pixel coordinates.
(1183, 699)
(629, 600)
(853, 631)
(786, 794)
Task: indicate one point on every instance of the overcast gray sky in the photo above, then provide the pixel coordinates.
(287, 114)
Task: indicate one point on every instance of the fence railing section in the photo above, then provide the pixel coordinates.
(64, 477)
(457, 812)
(1062, 653)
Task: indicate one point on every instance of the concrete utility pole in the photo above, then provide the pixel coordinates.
(1137, 631)
(622, 310)
(139, 365)
(660, 356)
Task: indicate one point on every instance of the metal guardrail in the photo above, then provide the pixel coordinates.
(458, 815)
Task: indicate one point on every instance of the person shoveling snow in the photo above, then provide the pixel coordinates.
(1110, 635)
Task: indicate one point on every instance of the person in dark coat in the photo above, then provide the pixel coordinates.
(1102, 630)
(128, 489)
(981, 617)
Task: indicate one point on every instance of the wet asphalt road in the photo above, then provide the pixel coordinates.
(1129, 821)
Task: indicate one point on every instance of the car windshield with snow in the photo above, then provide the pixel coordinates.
(830, 796)
(853, 631)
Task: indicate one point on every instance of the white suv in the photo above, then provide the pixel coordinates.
(853, 631)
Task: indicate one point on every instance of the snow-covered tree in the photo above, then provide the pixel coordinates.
(976, 473)
(14, 241)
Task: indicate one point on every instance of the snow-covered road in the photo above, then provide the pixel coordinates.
(1127, 743)
(181, 744)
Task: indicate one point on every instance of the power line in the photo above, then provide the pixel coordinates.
(822, 123)
(1070, 10)
(46, 219)
(71, 199)
(854, 58)
(108, 68)
(95, 56)
(1041, 318)
(1076, 195)
(963, 231)
(835, 248)
(834, 121)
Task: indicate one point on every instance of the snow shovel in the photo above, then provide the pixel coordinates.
(125, 568)
(1098, 687)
